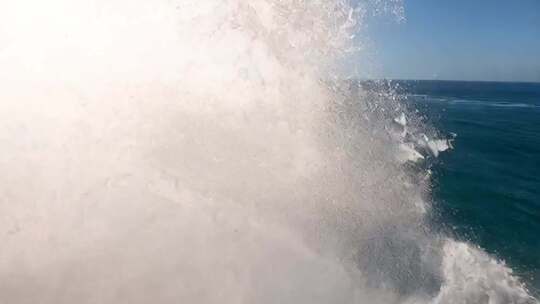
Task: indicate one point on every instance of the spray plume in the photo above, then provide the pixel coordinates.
(204, 151)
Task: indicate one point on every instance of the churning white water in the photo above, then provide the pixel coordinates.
(204, 151)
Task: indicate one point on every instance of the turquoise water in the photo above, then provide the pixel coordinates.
(487, 190)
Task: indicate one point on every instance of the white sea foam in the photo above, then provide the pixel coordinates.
(471, 276)
(198, 151)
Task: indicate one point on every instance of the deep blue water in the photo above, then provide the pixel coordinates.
(487, 190)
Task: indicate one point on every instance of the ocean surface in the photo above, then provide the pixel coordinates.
(487, 189)
(206, 153)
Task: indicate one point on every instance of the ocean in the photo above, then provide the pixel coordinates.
(203, 151)
(487, 189)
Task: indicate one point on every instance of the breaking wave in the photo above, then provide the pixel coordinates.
(199, 151)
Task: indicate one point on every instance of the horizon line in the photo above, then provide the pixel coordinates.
(448, 80)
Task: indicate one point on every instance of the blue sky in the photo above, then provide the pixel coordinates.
(460, 40)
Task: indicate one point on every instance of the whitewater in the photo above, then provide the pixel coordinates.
(202, 151)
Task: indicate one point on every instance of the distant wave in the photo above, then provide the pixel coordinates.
(472, 102)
